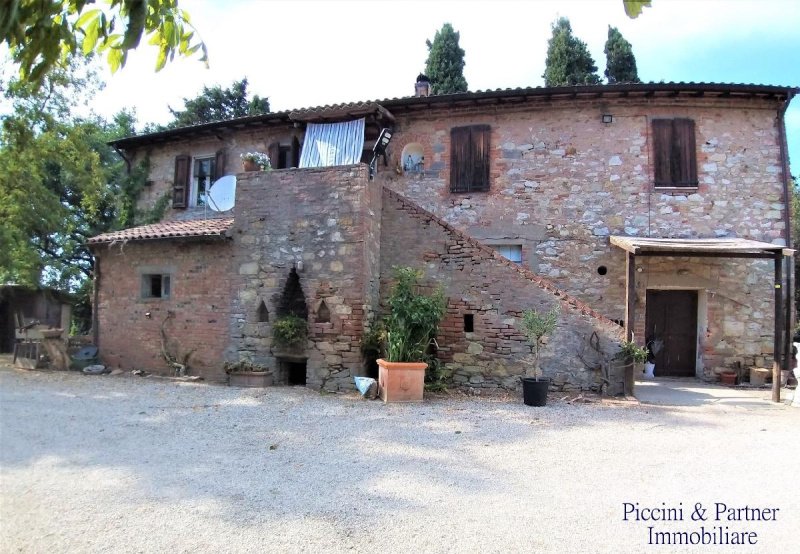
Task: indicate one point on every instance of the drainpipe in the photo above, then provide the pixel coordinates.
(783, 147)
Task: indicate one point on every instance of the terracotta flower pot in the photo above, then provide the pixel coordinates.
(727, 378)
(401, 381)
(250, 165)
(250, 379)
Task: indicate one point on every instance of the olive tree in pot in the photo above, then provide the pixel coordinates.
(537, 325)
(410, 327)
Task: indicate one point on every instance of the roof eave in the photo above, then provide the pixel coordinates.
(411, 103)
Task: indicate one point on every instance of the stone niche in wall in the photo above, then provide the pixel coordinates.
(291, 360)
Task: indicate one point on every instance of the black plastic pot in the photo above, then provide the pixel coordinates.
(534, 393)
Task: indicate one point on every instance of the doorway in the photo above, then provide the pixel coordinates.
(672, 317)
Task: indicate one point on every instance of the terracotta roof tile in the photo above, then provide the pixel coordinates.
(216, 227)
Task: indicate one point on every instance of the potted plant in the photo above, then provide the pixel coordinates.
(256, 161)
(410, 328)
(290, 331)
(728, 377)
(245, 373)
(628, 356)
(633, 353)
(537, 325)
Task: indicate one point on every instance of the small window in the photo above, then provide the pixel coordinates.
(512, 252)
(469, 323)
(155, 285)
(674, 153)
(469, 158)
(203, 176)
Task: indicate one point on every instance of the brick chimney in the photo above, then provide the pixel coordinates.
(423, 86)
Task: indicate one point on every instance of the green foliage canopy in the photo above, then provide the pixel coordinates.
(218, 104)
(568, 59)
(60, 183)
(42, 35)
(620, 61)
(445, 63)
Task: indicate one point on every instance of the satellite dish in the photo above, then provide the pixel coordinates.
(222, 194)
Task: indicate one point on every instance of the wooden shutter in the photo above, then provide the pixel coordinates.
(274, 153)
(219, 165)
(294, 153)
(469, 158)
(480, 157)
(180, 185)
(662, 152)
(460, 159)
(684, 154)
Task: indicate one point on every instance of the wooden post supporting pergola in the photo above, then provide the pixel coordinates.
(710, 248)
(777, 345)
(630, 315)
(630, 294)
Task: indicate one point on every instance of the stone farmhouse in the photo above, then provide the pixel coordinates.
(654, 212)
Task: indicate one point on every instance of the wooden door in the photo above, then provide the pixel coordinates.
(672, 317)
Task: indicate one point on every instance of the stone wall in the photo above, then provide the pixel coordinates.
(162, 160)
(735, 309)
(479, 282)
(322, 218)
(562, 181)
(195, 316)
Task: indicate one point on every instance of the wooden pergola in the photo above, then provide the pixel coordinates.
(707, 248)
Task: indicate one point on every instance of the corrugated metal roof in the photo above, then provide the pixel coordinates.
(196, 228)
(464, 98)
(689, 247)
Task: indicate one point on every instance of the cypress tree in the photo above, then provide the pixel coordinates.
(568, 60)
(445, 63)
(620, 61)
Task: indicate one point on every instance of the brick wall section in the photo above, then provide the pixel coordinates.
(321, 217)
(562, 182)
(199, 305)
(479, 281)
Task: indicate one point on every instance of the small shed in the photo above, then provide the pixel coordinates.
(23, 306)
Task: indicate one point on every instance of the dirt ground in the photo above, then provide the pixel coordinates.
(130, 464)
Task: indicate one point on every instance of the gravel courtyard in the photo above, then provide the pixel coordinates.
(130, 464)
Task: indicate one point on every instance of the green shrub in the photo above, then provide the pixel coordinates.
(289, 330)
(243, 366)
(631, 351)
(414, 318)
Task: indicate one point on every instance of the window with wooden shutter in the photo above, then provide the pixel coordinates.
(203, 176)
(294, 152)
(274, 153)
(674, 153)
(180, 185)
(469, 158)
(219, 165)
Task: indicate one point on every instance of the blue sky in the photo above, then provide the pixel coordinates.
(303, 53)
